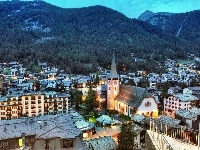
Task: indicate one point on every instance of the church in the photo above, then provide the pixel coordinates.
(129, 100)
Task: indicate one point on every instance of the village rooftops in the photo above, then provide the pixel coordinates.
(191, 113)
(185, 97)
(43, 127)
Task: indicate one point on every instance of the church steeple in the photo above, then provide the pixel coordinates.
(112, 86)
(113, 73)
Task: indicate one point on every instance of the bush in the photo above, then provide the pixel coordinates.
(112, 112)
(122, 116)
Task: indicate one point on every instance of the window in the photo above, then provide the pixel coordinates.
(47, 144)
(3, 113)
(67, 143)
(147, 104)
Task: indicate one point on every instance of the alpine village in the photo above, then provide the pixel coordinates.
(93, 79)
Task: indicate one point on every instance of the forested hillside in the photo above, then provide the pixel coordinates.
(81, 39)
(183, 25)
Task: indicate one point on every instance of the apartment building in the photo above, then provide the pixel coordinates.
(16, 105)
(178, 101)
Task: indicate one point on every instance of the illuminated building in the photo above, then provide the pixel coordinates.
(31, 104)
(127, 99)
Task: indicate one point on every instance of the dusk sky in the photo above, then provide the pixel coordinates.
(133, 8)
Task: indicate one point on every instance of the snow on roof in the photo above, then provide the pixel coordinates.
(137, 128)
(138, 118)
(50, 126)
(105, 119)
(168, 120)
(81, 124)
(191, 113)
(103, 143)
(185, 97)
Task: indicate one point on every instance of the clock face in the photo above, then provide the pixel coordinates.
(109, 82)
(115, 82)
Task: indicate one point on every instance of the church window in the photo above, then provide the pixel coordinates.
(115, 88)
(109, 88)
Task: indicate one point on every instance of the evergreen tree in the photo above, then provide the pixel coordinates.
(126, 137)
(144, 83)
(91, 103)
(76, 97)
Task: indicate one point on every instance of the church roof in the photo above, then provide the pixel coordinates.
(132, 95)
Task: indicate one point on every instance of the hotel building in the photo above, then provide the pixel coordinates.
(31, 104)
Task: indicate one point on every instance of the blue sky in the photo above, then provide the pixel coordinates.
(133, 8)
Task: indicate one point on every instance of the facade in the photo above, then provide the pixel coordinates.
(31, 104)
(135, 100)
(179, 101)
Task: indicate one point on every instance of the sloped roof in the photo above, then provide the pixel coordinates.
(60, 125)
(191, 113)
(168, 120)
(103, 143)
(132, 95)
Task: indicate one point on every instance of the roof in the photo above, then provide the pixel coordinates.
(185, 97)
(43, 127)
(138, 118)
(132, 95)
(102, 143)
(168, 120)
(191, 113)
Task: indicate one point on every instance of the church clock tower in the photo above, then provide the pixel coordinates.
(112, 85)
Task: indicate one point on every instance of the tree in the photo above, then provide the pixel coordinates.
(97, 80)
(144, 83)
(126, 137)
(91, 103)
(36, 86)
(76, 97)
(131, 82)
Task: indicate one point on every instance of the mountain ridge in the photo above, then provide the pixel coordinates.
(183, 25)
(71, 38)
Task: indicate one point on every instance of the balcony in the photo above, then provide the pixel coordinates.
(8, 109)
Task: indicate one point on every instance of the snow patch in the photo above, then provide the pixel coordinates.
(43, 39)
(154, 21)
(35, 26)
(179, 30)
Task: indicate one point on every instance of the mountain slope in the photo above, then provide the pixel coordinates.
(183, 25)
(73, 38)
